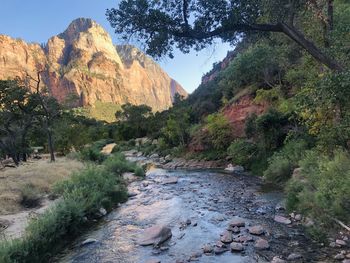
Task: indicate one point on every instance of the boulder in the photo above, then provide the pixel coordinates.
(155, 235)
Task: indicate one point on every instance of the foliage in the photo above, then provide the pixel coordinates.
(82, 196)
(219, 131)
(93, 153)
(323, 189)
(324, 109)
(132, 122)
(177, 128)
(282, 163)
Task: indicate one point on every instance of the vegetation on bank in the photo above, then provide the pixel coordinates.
(82, 195)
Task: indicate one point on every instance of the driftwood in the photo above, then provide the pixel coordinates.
(341, 224)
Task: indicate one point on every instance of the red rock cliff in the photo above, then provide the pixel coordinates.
(83, 61)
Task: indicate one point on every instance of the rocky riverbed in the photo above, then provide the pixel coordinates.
(203, 216)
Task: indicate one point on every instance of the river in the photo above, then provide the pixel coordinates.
(208, 200)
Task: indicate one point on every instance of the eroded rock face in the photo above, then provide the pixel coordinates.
(84, 62)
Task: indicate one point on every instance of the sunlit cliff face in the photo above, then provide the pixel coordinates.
(84, 61)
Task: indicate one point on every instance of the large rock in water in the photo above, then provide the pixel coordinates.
(155, 235)
(84, 61)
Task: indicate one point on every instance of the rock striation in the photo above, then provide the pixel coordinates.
(83, 62)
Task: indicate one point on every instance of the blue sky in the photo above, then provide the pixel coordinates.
(38, 20)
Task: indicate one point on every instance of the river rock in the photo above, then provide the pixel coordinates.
(294, 256)
(234, 169)
(88, 241)
(236, 247)
(220, 250)
(226, 237)
(170, 180)
(339, 256)
(155, 235)
(262, 244)
(153, 261)
(130, 177)
(208, 249)
(278, 260)
(102, 211)
(282, 220)
(238, 222)
(340, 242)
(256, 230)
(243, 239)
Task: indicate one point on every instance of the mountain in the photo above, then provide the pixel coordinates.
(84, 61)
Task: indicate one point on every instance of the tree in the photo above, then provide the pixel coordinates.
(163, 24)
(17, 115)
(132, 121)
(48, 110)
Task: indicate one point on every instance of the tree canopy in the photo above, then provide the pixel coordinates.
(165, 24)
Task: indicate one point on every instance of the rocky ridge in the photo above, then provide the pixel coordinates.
(83, 61)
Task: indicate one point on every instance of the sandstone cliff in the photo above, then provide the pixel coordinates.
(83, 61)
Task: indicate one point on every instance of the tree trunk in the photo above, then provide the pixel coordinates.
(310, 47)
(330, 11)
(50, 144)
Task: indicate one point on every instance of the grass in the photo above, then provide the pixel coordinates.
(24, 185)
(83, 194)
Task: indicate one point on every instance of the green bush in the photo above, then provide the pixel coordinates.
(242, 152)
(323, 191)
(93, 185)
(118, 165)
(43, 236)
(92, 154)
(139, 172)
(283, 162)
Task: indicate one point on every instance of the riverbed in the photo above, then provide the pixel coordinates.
(197, 208)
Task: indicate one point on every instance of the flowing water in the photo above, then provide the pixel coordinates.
(209, 199)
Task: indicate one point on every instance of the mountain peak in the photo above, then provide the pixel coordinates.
(78, 26)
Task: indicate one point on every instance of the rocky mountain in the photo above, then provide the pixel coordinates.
(83, 61)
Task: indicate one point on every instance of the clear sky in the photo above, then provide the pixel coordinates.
(38, 20)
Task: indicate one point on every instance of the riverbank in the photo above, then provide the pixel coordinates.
(83, 199)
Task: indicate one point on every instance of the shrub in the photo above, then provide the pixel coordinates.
(117, 164)
(139, 172)
(92, 154)
(283, 162)
(242, 152)
(82, 195)
(30, 196)
(324, 189)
